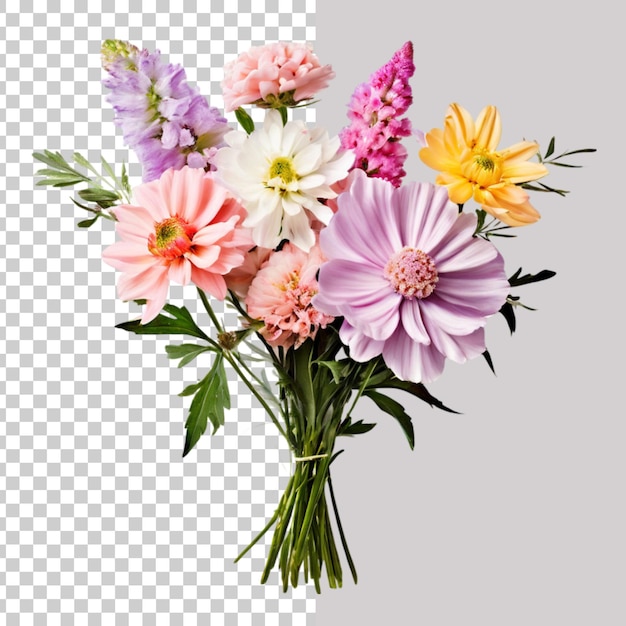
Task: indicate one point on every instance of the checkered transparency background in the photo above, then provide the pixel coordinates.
(101, 519)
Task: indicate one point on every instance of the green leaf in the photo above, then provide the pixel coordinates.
(348, 429)
(102, 197)
(336, 368)
(550, 149)
(489, 360)
(88, 223)
(179, 322)
(210, 401)
(186, 352)
(508, 312)
(396, 410)
(517, 280)
(544, 188)
(81, 160)
(245, 120)
(415, 389)
(283, 115)
(108, 169)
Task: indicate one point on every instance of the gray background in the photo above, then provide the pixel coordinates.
(512, 513)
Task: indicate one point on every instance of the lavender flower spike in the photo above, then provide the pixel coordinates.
(375, 109)
(164, 120)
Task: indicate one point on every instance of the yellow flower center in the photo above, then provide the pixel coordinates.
(171, 238)
(482, 168)
(282, 167)
(412, 273)
(484, 161)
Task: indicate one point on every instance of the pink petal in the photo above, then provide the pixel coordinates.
(127, 255)
(362, 347)
(150, 197)
(412, 321)
(147, 284)
(425, 213)
(180, 270)
(213, 284)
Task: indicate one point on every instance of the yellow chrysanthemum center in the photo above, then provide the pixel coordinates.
(282, 167)
(171, 238)
(482, 168)
(412, 273)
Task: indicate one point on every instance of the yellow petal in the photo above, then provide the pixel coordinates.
(459, 189)
(435, 154)
(489, 128)
(523, 150)
(462, 124)
(522, 171)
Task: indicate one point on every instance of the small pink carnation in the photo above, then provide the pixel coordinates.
(277, 74)
(184, 227)
(281, 294)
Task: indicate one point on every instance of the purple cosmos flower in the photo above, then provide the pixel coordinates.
(409, 278)
(166, 122)
(375, 110)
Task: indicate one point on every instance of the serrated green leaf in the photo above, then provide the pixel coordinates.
(211, 399)
(245, 120)
(396, 410)
(186, 352)
(179, 322)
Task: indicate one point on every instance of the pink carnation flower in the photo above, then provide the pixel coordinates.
(278, 74)
(409, 277)
(184, 227)
(281, 294)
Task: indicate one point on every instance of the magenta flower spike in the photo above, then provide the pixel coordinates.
(375, 109)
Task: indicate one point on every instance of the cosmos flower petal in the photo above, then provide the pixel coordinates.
(362, 348)
(431, 307)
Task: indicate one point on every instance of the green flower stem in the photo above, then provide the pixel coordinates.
(209, 310)
(229, 357)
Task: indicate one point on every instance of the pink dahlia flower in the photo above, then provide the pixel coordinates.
(184, 227)
(280, 295)
(409, 278)
(277, 74)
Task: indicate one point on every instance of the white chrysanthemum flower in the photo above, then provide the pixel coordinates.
(280, 173)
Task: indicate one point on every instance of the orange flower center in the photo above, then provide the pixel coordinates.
(412, 273)
(171, 238)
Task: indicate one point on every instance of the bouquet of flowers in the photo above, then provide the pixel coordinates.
(347, 281)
